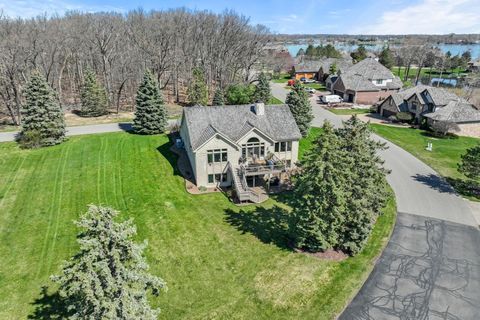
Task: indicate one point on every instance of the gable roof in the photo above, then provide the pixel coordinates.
(341, 63)
(440, 97)
(456, 111)
(307, 66)
(233, 122)
(370, 69)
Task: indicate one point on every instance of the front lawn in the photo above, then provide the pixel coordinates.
(215, 267)
(444, 157)
(344, 112)
(274, 100)
(283, 78)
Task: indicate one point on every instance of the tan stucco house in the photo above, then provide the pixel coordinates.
(240, 145)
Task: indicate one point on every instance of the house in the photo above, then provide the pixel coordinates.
(330, 81)
(366, 82)
(474, 66)
(241, 146)
(341, 64)
(417, 100)
(306, 69)
(464, 116)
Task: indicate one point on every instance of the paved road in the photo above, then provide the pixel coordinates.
(431, 266)
(80, 130)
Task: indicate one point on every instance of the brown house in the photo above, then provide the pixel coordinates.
(306, 69)
(366, 82)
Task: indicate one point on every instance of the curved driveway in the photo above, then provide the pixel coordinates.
(430, 268)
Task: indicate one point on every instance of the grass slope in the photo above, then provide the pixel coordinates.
(214, 267)
(343, 112)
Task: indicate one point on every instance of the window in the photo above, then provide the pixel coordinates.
(210, 178)
(217, 155)
(283, 146)
(253, 148)
(379, 81)
(217, 178)
(414, 106)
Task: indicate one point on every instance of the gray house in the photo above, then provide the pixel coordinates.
(240, 146)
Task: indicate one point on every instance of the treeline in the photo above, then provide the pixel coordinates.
(119, 48)
(320, 51)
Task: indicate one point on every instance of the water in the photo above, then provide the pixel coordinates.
(453, 48)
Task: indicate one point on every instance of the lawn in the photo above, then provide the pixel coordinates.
(274, 100)
(425, 72)
(283, 78)
(343, 112)
(444, 157)
(219, 260)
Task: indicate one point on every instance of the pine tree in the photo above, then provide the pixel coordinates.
(386, 58)
(301, 109)
(470, 164)
(43, 122)
(198, 90)
(93, 96)
(218, 98)
(320, 195)
(337, 205)
(150, 113)
(359, 54)
(262, 89)
(108, 278)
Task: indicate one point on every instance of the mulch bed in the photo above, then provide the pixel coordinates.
(331, 255)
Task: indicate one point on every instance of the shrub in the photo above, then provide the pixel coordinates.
(30, 139)
(240, 94)
(405, 117)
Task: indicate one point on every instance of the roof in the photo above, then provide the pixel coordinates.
(233, 122)
(456, 111)
(308, 66)
(341, 63)
(440, 96)
(400, 96)
(370, 69)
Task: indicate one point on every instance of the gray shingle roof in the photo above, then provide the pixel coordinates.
(308, 66)
(235, 121)
(370, 69)
(341, 63)
(457, 111)
(441, 97)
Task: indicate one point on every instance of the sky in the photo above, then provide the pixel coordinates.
(295, 16)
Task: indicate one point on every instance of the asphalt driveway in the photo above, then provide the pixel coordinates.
(431, 266)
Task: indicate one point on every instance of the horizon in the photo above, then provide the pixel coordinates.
(312, 17)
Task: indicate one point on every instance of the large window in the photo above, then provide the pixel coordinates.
(283, 146)
(217, 178)
(253, 148)
(217, 155)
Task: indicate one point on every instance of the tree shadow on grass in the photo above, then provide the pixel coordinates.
(435, 182)
(269, 225)
(50, 306)
(166, 152)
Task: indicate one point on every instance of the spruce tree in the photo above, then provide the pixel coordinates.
(470, 164)
(43, 122)
(198, 90)
(108, 278)
(301, 109)
(93, 96)
(386, 58)
(150, 113)
(218, 98)
(340, 189)
(262, 89)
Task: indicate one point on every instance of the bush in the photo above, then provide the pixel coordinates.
(30, 139)
(240, 94)
(405, 117)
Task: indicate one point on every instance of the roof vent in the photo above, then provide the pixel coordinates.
(259, 108)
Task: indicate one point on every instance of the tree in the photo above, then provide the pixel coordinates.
(262, 89)
(337, 206)
(108, 278)
(359, 54)
(297, 101)
(470, 163)
(218, 98)
(198, 90)
(93, 96)
(467, 56)
(386, 58)
(443, 127)
(43, 120)
(150, 112)
(240, 94)
(333, 68)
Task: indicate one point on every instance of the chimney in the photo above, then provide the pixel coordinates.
(259, 108)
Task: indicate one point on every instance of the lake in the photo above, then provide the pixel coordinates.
(453, 48)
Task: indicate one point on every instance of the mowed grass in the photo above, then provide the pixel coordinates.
(343, 112)
(213, 269)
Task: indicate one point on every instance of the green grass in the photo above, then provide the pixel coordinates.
(425, 72)
(284, 77)
(444, 157)
(274, 100)
(316, 86)
(349, 111)
(213, 267)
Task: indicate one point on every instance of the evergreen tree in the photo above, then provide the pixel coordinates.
(218, 98)
(386, 58)
(336, 206)
(240, 94)
(43, 122)
(470, 164)
(319, 193)
(198, 90)
(150, 113)
(359, 54)
(333, 68)
(297, 101)
(262, 89)
(93, 96)
(108, 278)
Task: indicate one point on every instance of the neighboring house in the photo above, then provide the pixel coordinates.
(366, 82)
(464, 115)
(417, 100)
(342, 65)
(306, 69)
(474, 66)
(330, 81)
(240, 145)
